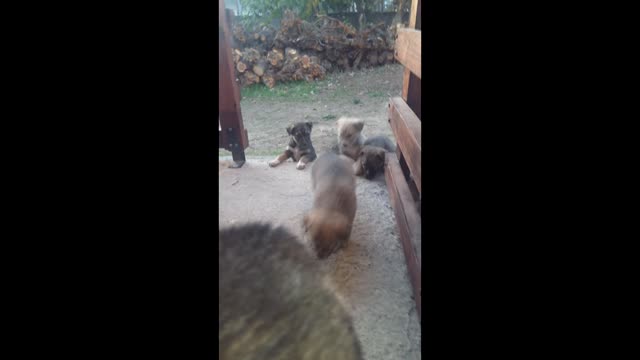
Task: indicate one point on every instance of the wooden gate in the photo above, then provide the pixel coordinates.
(232, 135)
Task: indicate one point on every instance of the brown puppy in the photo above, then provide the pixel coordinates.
(334, 205)
(272, 302)
(300, 148)
(370, 162)
(350, 138)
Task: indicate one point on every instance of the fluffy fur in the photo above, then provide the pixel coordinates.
(272, 300)
(372, 155)
(350, 138)
(330, 220)
(300, 148)
(381, 142)
(370, 162)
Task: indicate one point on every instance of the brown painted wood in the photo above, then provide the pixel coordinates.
(408, 50)
(232, 134)
(406, 129)
(406, 77)
(409, 224)
(414, 95)
(407, 176)
(411, 84)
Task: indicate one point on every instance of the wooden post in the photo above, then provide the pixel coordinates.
(231, 134)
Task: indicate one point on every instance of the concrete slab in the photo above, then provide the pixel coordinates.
(370, 274)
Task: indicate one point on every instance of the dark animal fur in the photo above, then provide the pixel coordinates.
(272, 303)
(370, 162)
(381, 142)
(300, 148)
(330, 220)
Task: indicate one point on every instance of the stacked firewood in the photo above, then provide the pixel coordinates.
(300, 50)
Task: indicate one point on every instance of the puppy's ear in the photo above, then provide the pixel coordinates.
(358, 125)
(289, 128)
(310, 125)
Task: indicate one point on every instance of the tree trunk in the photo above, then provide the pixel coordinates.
(398, 18)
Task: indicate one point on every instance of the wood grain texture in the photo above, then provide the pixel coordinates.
(408, 50)
(406, 128)
(409, 224)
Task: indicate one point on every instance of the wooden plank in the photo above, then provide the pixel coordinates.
(409, 50)
(419, 16)
(414, 14)
(406, 129)
(230, 116)
(409, 224)
(230, 20)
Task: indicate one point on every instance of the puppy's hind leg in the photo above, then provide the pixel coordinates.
(282, 157)
(304, 160)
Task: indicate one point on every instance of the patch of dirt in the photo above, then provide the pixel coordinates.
(361, 93)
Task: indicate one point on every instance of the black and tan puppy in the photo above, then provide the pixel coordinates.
(370, 162)
(350, 139)
(300, 148)
(334, 203)
(272, 302)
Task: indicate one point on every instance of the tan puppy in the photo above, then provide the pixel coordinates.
(334, 205)
(350, 138)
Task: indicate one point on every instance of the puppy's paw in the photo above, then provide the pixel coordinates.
(300, 166)
(274, 163)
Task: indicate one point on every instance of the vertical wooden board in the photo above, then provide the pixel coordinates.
(414, 95)
(409, 225)
(408, 50)
(229, 112)
(414, 13)
(418, 24)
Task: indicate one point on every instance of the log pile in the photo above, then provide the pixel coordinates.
(301, 50)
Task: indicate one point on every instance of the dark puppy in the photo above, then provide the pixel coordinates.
(370, 162)
(300, 148)
(381, 142)
(334, 203)
(272, 302)
(371, 158)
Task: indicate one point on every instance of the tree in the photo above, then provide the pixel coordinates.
(401, 7)
(265, 11)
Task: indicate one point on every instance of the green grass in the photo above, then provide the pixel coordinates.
(295, 90)
(329, 117)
